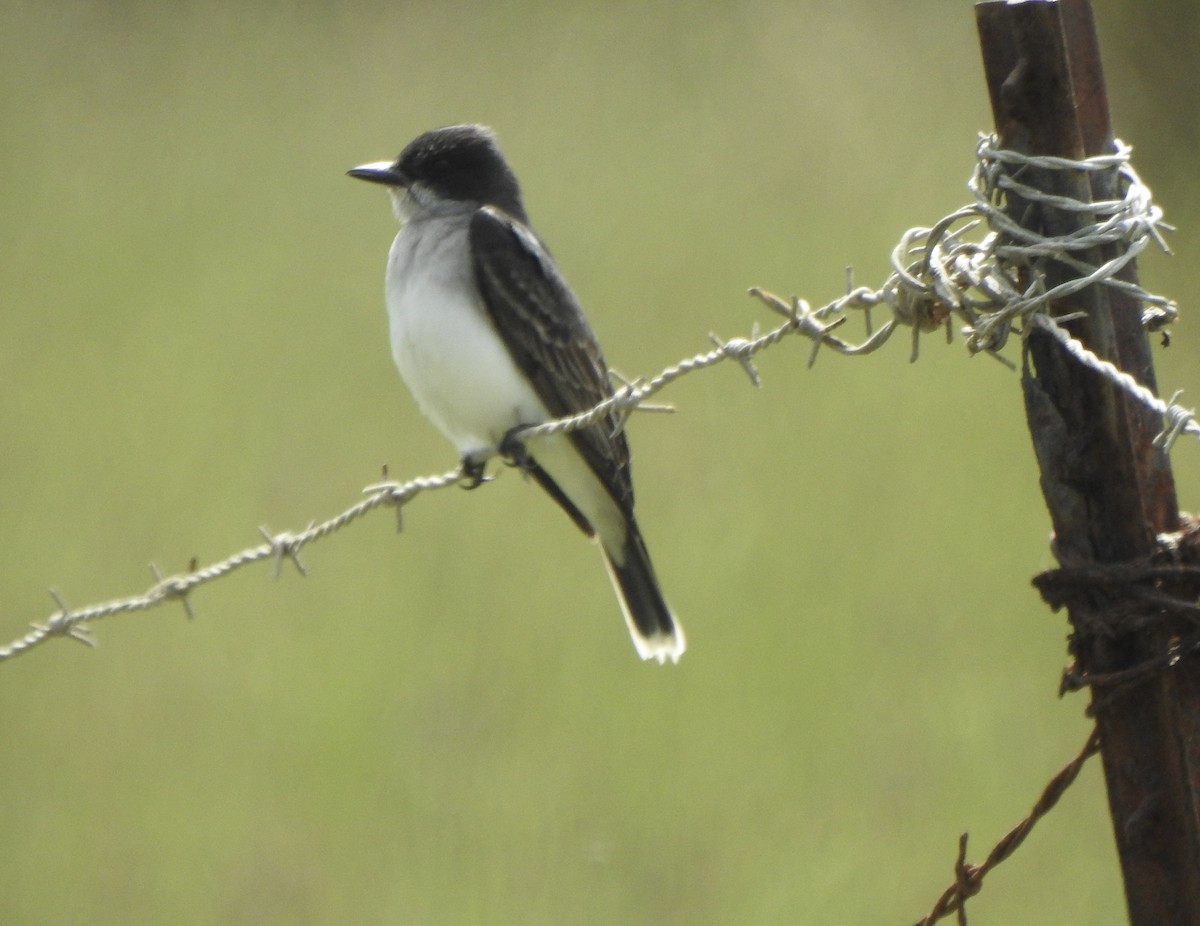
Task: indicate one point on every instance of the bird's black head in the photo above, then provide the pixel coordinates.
(461, 163)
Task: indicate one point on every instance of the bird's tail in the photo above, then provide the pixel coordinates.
(656, 634)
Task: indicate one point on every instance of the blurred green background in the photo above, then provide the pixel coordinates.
(450, 725)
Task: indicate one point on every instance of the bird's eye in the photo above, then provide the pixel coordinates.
(440, 166)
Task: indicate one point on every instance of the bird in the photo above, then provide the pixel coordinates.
(490, 339)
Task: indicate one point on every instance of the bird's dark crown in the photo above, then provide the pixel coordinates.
(464, 163)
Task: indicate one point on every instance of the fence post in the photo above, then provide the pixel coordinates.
(1108, 488)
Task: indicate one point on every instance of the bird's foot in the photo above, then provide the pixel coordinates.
(512, 449)
(472, 473)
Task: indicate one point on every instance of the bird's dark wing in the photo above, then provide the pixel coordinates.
(545, 330)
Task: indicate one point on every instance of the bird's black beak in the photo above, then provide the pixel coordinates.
(379, 172)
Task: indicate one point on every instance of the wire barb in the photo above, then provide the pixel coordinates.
(174, 587)
(59, 625)
(740, 350)
(284, 545)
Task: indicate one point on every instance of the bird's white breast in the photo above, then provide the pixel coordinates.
(444, 343)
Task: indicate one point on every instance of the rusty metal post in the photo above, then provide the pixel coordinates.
(1109, 490)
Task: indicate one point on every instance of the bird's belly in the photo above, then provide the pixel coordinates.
(457, 367)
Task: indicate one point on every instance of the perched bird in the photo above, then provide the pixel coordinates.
(490, 339)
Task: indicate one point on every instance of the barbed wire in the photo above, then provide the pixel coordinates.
(941, 273)
(968, 878)
(74, 623)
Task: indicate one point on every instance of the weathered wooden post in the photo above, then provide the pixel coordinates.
(1108, 488)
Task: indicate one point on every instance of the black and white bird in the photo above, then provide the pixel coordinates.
(490, 339)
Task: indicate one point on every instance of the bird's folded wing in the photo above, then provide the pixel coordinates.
(545, 330)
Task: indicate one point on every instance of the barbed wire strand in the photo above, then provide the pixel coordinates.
(1179, 420)
(73, 622)
(939, 273)
(968, 878)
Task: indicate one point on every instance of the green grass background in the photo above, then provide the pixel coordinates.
(449, 725)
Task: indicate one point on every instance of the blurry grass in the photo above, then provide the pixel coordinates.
(450, 726)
